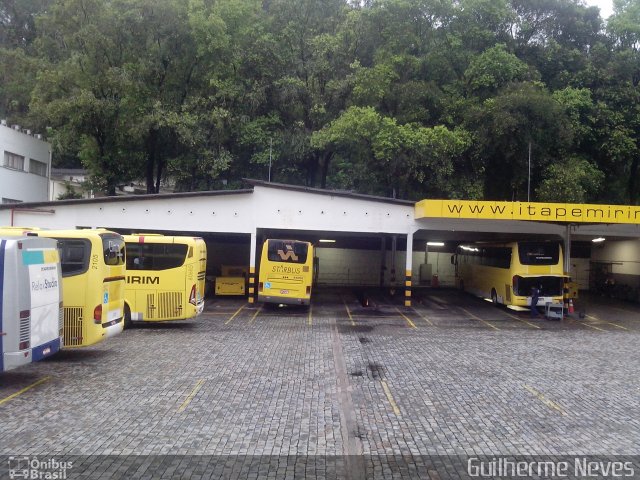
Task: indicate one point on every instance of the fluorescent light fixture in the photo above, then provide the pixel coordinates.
(598, 240)
(469, 249)
(435, 244)
(326, 240)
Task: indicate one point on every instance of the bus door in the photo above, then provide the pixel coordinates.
(113, 283)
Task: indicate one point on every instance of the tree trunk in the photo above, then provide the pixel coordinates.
(325, 168)
(151, 151)
(632, 186)
(160, 169)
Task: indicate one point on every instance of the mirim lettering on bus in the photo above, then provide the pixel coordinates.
(143, 280)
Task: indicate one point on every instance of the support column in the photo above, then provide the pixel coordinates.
(408, 268)
(252, 269)
(567, 249)
(383, 260)
(394, 245)
(567, 266)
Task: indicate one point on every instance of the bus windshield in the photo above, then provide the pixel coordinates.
(155, 256)
(289, 251)
(537, 253)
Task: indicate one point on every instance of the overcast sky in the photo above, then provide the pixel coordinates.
(606, 7)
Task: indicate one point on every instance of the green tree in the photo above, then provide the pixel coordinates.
(376, 154)
(505, 126)
(494, 69)
(574, 180)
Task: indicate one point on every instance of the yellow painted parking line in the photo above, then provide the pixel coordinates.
(604, 321)
(310, 310)
(191, 395)
(255, 315)
(478, 318)
(353, 323)
(625, 310)
(387, 392)
(235, 314)
(523, 321)
(20, 392)
(546, 401)
(411, 324)
(423, 317)
(591, 326)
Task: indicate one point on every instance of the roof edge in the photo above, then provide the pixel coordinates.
(333, 193)
(126, 198)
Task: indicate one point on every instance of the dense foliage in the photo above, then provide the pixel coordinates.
(404, 98)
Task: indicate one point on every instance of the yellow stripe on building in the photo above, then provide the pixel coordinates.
(547, 212)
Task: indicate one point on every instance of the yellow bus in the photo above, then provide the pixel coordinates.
(506, 273)
(93, 276)
(286, 272)
(165, 277)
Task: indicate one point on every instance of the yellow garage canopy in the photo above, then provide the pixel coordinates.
(550, 212)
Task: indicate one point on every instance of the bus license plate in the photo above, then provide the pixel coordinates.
(284, 292)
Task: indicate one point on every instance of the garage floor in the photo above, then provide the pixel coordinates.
(336, 391)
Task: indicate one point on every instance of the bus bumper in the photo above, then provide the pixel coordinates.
(45, 350)
(284, 300)
(542, 301)
(13, 360)
(199, 308)
(113, 328)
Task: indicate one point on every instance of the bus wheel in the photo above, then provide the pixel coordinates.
(127, 317)
(494, 296)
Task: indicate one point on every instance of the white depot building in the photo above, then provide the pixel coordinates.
(360, 239)
(25, 165)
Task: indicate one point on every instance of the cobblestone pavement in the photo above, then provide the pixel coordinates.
(339, 391)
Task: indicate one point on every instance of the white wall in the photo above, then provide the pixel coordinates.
(339, 266)
(298, 210)
(22, 185)
(624, 255)
(580, 272)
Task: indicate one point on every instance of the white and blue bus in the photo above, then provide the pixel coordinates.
(31, 315)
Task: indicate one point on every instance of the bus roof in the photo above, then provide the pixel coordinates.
(159, 238)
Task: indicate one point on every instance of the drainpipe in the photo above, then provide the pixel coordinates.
(567, 249)
(33, 210)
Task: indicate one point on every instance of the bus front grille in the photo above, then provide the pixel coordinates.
(72, 326)
(169, 304)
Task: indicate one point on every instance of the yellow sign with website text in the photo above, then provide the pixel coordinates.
(549, 212)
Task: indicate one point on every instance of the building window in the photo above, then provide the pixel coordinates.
(39, 168)
(11, 160)
(10, 200)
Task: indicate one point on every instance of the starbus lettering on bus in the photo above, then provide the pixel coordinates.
(285, 269)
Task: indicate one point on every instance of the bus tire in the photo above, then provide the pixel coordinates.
(127, 317)
(494, 296)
